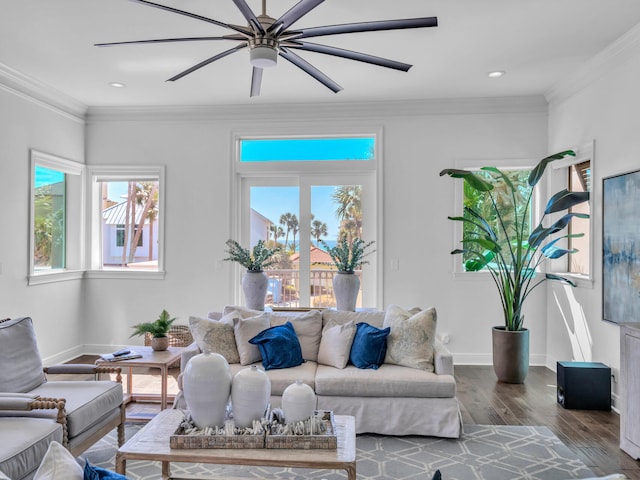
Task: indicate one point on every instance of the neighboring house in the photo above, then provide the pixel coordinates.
(113, 228)
(259, 227)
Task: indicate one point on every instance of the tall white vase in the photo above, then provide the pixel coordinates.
(250, 394)
(298, 402)
(345, 288)
(254, 286)
(206, 386)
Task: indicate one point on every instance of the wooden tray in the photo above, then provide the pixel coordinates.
(326, 440)
(180, 440)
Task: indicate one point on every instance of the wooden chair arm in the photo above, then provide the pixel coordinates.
(83, 368)
(27, 403)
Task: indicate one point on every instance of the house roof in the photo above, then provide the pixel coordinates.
(117, 214)
(317, 256)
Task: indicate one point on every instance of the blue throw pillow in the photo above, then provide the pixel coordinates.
(369, 346)
(279, 347)
(91, 472)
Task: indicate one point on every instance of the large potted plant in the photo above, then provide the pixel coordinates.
(347, 257)
(254, 281)
(158, 329)
(500, 239)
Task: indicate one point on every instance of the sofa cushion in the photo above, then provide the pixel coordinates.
(216, 335)
(279, 347)
(308, 327)
(281, 378)
(245, 329)
(411, 339)
(386, 381)
(25, 441)
(58, 463)
(335, 344)
(87, 402)
(372, 317)
(369, 346)
(19, 348)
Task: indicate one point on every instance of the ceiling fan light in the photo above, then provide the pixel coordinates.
(263, 57)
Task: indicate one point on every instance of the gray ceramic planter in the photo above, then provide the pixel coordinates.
(510, 354)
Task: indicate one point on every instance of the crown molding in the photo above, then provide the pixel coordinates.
(41, 94)
(620, 51)
(368, 110)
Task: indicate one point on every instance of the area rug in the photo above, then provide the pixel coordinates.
(484, 452)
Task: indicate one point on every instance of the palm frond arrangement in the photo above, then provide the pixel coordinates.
(255, 260)
(346, 256)
(157, 328)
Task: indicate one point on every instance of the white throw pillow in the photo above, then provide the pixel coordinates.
(335, 344)
(3, 476)
(308, 327)
(410, 341)
(58, 464)
(216, 336)
(245, 329)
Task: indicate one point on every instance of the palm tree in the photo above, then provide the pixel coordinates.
(147, 197)
(349, 210)
(318, 229)
(295, 228)
(285, 221)
(277, 233)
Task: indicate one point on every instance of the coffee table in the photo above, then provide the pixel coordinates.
(152, 443)
(150, 359)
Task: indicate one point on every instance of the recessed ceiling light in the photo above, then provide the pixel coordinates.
(117, 84)
(496, 74)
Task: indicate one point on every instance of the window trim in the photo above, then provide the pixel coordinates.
(97, 174)
(75, 228)
(505, 164)
(583, 153)
(302, 170)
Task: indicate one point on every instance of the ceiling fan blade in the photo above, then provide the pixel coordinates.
(193, 15)
(367, 27)
(294, 14)
(168, 40)
(248, 14)
(361, 57)
(310, 69)
(256, 81)
(207, 62)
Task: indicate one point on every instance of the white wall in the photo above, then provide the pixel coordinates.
(419, 140)
(605, 109)
(56, 309)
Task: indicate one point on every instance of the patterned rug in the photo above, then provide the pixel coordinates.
(483, 453)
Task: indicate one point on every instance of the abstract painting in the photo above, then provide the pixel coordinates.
(621, 248)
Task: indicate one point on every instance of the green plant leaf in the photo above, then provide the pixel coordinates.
(538, 170)
(565, 199)
(541, 233)
(473, 180)
(551, 276)
(485, 243)
(502, 175)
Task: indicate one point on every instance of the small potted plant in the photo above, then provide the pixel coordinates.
(254, 281)
(347, 257)
(158, 330)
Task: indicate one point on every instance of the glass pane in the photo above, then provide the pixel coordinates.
(130, 224)
(307, 149)
(274, 218)
(580, 181)
(49, 228)
(336, 211)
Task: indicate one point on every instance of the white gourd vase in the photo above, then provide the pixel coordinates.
(250, 394)
(254, 287)
(206, 386)
(298, 402)
(346, 286)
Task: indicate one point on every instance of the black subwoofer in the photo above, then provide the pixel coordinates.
(584, 385)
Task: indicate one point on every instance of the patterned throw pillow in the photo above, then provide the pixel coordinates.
(216, 336)
(335, 344)
(245, 329)
(412, 336)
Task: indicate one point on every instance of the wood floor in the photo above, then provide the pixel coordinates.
(592, 435)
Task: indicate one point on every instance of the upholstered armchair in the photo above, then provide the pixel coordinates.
(84, 410)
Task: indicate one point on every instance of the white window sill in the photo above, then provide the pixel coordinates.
(127, 274)
(54, 276)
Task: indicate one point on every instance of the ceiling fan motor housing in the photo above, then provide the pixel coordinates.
(263, 52)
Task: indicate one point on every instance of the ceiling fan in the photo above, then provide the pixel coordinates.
(267, 38)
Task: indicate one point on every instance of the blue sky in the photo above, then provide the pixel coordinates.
(307, 149)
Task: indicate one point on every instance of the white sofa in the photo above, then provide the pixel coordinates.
(392, 399)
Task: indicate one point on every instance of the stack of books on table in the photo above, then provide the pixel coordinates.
(120, 355)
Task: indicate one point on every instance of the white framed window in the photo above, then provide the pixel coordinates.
(576, 174)
(127, 221)
(518, 171)
(56, 218)
(292, 192)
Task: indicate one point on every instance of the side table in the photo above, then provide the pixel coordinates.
(161, 360)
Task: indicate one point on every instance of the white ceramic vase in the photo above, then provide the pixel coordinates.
(250, 394)
(254, 287)
(345, 288)
(298, 402)
(207, 385)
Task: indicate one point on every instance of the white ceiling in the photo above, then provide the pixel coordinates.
(537, 42)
